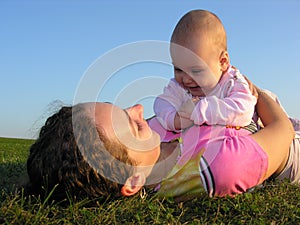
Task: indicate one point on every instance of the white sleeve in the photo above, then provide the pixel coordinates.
(167, 104)
(236, 108)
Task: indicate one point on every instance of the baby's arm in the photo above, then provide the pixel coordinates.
(235, 109)
(167, 104)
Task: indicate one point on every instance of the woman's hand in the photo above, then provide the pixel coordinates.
(252, 87)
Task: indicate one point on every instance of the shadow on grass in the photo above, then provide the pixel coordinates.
(13, 157)
(13, 176)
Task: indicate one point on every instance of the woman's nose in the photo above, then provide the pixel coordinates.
(136, 111)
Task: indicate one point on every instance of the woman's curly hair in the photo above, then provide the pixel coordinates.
(71, 157)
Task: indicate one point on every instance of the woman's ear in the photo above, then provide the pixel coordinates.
(224, 60)
(133, 184)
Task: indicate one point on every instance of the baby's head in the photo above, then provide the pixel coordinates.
(202, 27)
(202, 33)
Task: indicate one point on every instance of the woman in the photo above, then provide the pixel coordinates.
(97, 149)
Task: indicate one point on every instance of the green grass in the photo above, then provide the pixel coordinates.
(13, 155)
(273, 204)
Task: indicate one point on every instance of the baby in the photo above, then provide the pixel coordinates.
(206, 88)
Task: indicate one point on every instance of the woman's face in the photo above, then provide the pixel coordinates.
(130, 129)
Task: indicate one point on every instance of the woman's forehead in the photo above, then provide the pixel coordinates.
(101, 108)
(110, 118)
(106, 112)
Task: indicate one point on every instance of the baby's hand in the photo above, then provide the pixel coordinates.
(181, 122)
(187, 108)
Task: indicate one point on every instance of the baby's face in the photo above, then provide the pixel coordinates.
(196, 65)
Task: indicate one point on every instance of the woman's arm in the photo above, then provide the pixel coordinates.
(276, 137)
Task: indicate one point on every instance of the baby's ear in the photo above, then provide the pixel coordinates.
(224, 60)
(133, 184)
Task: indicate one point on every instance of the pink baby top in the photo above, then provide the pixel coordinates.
(230, 103)
(218, 160)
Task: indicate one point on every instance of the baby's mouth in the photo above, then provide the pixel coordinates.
(194, 88)
(196, 91)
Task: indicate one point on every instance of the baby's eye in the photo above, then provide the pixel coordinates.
(196, 71)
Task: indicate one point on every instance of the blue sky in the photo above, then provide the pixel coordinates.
(46, 48)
